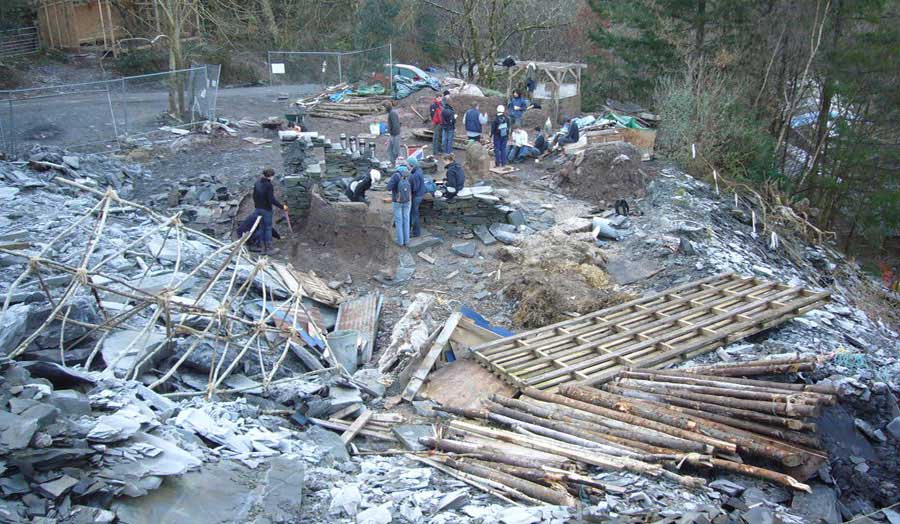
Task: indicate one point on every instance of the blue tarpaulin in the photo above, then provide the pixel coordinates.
(480, 321)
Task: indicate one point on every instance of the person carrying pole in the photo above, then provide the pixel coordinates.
(264, 202)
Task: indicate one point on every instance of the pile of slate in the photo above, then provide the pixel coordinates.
(204, 202)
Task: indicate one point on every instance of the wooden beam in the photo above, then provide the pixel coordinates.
(351, 432)
(418, 377)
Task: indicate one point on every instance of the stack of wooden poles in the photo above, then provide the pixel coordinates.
(350, 108)
(651, 422)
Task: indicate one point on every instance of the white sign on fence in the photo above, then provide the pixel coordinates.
(277, 69)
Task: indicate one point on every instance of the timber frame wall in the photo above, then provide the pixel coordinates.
(650, 332)
(66, 24)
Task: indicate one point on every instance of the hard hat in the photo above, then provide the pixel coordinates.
(501, 109)
(375, 175)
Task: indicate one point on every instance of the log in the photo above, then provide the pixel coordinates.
(763, 406)
(544, 494)
(712, 368)
(482, 484)
(715, 387)
(621, 437)
(755, 444)
(668, 429)
(815, 388)
(719, 414)
(749, 371)
(585, 456)
(559, 431)
(753, 471)
(490, 453)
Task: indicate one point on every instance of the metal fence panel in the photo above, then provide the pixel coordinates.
(98, 115)
(21, 41)
(320, 69)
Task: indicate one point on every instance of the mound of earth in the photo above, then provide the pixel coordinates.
(604, 173)
(553, 274)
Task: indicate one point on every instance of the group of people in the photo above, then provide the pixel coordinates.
(407, 187)
(407, 183)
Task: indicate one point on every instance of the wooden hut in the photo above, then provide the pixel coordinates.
(557, 85)
(68, 24)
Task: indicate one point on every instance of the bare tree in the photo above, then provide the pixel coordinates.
(177, 15)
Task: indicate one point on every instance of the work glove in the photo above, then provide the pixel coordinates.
(285, 208)
(438, 193)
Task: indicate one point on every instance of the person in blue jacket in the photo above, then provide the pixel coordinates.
(474, 119)
(401, 201)
(417, 184)
(517, 107)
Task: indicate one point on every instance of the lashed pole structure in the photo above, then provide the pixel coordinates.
(168, 310)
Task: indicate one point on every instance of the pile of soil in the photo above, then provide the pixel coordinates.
(604, 173)
(553, 274)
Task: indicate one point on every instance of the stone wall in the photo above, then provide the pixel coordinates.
(312, 161)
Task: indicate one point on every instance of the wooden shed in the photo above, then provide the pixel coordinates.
(67, 24)
(557, 85)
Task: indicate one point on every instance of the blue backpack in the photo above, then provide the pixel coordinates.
(404, 190)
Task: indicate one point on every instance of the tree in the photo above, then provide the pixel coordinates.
(176, 17)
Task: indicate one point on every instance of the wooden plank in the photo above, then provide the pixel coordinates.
(426, 257)
(342, 426)
(351, 432)
(418, 376)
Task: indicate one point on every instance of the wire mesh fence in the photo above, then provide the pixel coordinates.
(327, 68)
(19, 41)
(94, 116)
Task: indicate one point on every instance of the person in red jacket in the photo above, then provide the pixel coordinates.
(437, 106)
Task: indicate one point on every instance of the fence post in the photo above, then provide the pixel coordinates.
(269, 65)
(340, 73)
(125, 106)
(112, 114)
(12, 130)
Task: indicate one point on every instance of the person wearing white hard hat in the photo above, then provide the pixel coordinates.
(500, 130)
(356, 191)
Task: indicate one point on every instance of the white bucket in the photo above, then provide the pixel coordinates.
(374, 129)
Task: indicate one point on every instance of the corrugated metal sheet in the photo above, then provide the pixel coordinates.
(361, 314)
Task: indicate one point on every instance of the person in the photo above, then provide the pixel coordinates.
(264, 202)
(540, 141)
(356, 191)
(456, 178)
(448, 125)
(519, 140)
(437, 105)
(473, 120)
(572, 135)
(532, 151)
(393, 125)
(500, 135)
(417, 183)
(401, 202)
(517, 107)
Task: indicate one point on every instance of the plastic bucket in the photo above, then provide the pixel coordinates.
(344, 344)
(374, 129)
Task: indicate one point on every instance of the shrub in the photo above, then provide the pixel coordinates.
(703, 107)
(141, 62)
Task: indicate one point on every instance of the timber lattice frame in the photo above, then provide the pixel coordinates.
(654, 331)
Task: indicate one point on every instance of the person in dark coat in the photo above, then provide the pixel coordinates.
(572, 134)
(500, 131)
(456, 178)
(448, 125)
(417, 183)
(264, 202)
(517, 107)
(356, 191)
(473, 120)
(393, 125)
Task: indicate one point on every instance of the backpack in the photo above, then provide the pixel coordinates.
(404, 190)
(502, 126)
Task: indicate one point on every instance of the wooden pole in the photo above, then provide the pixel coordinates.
(542, 493)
